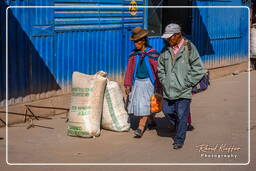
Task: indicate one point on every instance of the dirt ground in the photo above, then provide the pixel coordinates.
(220, 117)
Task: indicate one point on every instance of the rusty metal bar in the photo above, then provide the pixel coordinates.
(21, 114)
(26, 113)
(33, 125)
(3, 121)
(46, 107)
(31, 112)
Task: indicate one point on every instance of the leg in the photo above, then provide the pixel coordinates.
(182, 107)
(189, 116)
(142, 124)
(151, 122)
(132, 120)
(189, 119)
(169, 111)
(190, 126)
(143, 121)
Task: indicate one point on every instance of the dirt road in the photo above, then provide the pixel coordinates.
(220, 117)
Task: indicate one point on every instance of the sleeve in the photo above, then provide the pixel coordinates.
(129, 72)
(197, 69)
(154, 65)
(161, 69)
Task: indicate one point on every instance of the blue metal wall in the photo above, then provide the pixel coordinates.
(2, 50)
(18, 57)
(220, 34)
(92, 39)
(157, 43)
(30, 51)
(47, 45)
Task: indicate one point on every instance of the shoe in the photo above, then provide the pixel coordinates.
(190, 127)
(177, 146)
(138, 133)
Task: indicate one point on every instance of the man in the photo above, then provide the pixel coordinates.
(179, 69)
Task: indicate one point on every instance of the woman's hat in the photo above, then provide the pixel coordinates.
(138, 33)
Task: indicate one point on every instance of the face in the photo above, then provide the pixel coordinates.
(174, 39)
(140, 44)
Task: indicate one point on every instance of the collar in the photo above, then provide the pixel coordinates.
(137, 52)
(178, 45)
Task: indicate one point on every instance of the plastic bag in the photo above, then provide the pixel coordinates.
(156, 103)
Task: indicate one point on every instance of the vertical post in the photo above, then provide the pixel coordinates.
(123, 48)
(145, 15)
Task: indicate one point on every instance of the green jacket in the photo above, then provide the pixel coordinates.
(179, 73)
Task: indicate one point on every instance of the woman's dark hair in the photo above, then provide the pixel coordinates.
(146, 41)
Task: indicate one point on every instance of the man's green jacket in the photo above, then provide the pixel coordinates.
(179, 73)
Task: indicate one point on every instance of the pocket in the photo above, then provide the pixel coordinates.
(173, 83)
(165, 84)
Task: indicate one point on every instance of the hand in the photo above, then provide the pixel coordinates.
(127, 90)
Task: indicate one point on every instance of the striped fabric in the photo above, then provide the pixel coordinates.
(139, 98)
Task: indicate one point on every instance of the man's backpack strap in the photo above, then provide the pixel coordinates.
(188, 49)
(205, 81)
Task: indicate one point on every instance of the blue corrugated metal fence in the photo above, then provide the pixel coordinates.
(47, 44)
(58, 41)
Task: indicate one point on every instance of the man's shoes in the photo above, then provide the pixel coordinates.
(190, 127)
(138, 133)
(177, 146)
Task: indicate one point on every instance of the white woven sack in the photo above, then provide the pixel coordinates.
(86, 104)
(253, 41)
(114, 117)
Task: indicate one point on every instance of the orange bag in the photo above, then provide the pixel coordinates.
(156, 103)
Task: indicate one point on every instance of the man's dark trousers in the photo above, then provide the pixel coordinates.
(177, 111)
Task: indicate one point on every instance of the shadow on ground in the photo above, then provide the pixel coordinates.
(163, 128)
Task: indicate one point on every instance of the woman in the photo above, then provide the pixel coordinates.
(141, 81)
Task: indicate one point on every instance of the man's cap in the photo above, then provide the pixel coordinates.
(170, 30)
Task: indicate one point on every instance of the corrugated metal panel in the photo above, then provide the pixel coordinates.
(86, 18)
(3, 6)
(128, 44)
(101, 33)
(218, 2)
(30, 51)
(157, 43)
(219, 37)
(58, 41)
(41, 35)
(95, 18)
(18, 54)
(132, 21)
(88, 52)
